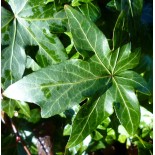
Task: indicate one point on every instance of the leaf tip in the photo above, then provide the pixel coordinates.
(66, 6)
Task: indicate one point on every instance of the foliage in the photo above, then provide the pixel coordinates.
(76, 70)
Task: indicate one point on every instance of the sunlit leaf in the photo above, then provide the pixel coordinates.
(69, 82)
(29, 25)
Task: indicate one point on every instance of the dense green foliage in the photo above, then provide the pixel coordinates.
(79, 71)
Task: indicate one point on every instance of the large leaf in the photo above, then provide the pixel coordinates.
(87, 36)
(29, 24)
(61, 86)
(126, 106)
(89, 117)
(13, 56)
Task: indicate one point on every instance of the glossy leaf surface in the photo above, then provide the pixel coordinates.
(29, 25)
(60, 86)
(87, 36)
(91, 11)
(89, 117)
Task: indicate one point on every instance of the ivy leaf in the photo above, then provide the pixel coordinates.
(7, 17)
(59, 87)
(30, 63)
(89, 117)
(91, 11)
(24, 108)
(120, 34)
(127, 107)
(29, 24)
(14, 54)
(9, 107)
(131, 78)
(77, 2)
(87, 36)
(122, 59)
(69, 82)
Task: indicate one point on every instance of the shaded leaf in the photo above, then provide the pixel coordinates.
(24, 108)
(126, 106)
(91, 11)
(89, 117)
(9, 106)
(7, 17)
(120, 35)
(77, 2)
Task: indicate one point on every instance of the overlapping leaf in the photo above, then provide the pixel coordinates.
(59, 87)
(29, 24)
(90, 116)
(77, 2)
(87, 36)
(90, 10)
(120, 60)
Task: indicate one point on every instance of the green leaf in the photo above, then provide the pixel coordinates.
(69, 82)
(24, 108)
(126, 106)
(13, 58)
(30, 25)
(8, 106)
(96, 135)
(91, 11)
(120, 34)
(122, 59)
(87, 36)
(30, 63)
(89, 117)
(77, 2)
(131, 78)
(114, 4)
(7, 17)
(34, 116)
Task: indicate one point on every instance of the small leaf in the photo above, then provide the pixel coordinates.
(91, 11)
(8, 106)
(122, 59)
(77, 2)
(120, 34)
(131, 78)
(30, 63)
(34, 116)
(69, 82)
(24, 108)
